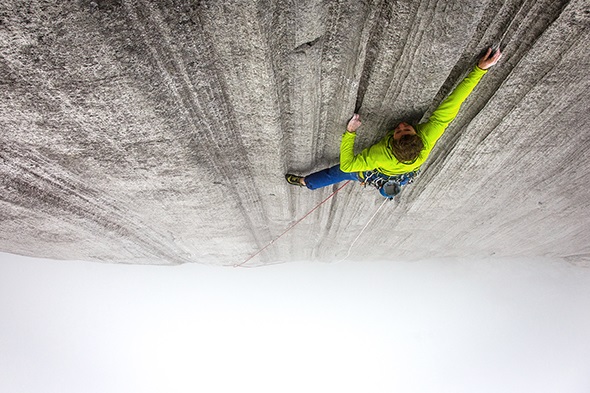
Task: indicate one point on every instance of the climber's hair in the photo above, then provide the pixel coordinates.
(407, 148)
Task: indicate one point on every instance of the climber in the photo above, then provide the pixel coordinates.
(394, 161)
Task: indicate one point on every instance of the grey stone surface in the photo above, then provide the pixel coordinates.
(159, 132)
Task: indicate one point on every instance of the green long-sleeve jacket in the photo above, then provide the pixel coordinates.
(380, 157)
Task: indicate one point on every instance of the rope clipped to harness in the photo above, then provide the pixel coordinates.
(388, 186)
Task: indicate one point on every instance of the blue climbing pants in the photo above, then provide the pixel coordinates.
(329, 176)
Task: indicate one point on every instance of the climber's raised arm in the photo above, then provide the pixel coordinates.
(432, 130)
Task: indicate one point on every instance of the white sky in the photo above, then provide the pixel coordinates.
(433, 326)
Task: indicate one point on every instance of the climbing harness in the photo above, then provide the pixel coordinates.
(388, 186)
(291, 227)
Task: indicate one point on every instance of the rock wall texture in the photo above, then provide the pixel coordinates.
(159, 132)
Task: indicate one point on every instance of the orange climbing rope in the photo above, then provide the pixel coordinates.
(291, 227)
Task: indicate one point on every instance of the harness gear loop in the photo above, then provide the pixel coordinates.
(388, 186)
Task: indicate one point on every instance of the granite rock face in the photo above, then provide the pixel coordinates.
(159, 132)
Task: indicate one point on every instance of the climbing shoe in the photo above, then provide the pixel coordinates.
(293, 179)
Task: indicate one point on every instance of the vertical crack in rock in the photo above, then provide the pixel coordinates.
(422, 14)
(379, 24)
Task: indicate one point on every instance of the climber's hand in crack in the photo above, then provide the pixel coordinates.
(354, 123)
(488, 59)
